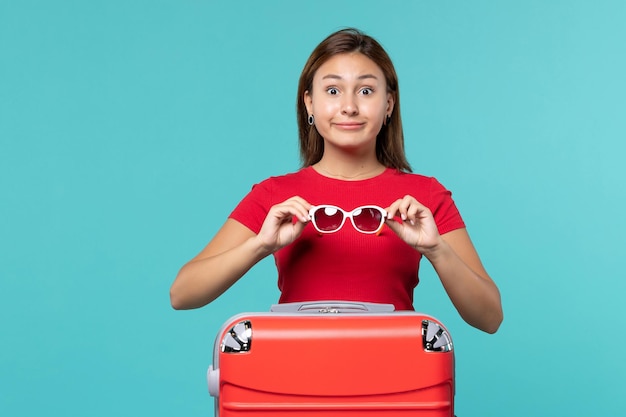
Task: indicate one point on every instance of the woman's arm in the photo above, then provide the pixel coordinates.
(229, 255)
(233, 251)
(471, 290)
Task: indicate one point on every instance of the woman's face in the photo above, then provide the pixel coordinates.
(349, 101)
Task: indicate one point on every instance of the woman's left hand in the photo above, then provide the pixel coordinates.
(417, 228)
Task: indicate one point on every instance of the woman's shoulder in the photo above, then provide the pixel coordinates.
(425, 188)
(411, 177)
(282, 184)
(287, 178)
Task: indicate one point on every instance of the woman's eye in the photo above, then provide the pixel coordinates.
(333, 91)
(366, 91)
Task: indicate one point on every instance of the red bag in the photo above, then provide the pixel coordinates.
(342, 359)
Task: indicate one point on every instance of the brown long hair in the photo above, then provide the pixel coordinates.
(390, 139)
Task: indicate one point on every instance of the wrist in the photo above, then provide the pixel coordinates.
(260, 248)
(434, 252)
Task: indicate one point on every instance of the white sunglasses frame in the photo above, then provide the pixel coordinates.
(346, 215)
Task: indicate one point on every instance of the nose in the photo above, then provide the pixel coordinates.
(349, 106)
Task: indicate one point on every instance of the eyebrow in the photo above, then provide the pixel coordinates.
(338, 77)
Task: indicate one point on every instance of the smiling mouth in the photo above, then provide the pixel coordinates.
(349, 126)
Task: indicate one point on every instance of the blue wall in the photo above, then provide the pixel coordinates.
(130, 129)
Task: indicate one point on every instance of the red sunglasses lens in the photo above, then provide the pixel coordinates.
(328, 219)
(368, 219)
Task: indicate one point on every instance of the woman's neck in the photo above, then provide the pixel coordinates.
(349, 171)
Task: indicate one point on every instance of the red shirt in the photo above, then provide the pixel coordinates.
(348, 265)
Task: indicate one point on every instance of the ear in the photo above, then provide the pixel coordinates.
(308, 102)
(390, 104)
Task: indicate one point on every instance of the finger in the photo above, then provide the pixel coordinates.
(413, 212)
(394, 225)
(404, 206)
(392, 210)
(300, 208)
(291, 208)
(298, 227)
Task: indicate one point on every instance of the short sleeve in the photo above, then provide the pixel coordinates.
(445, 212)
(252, 210)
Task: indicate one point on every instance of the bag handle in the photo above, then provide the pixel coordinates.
(326, 307)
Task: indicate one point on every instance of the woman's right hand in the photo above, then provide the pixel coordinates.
(279, 228)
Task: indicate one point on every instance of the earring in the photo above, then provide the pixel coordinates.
(387, 120)
(311, 120)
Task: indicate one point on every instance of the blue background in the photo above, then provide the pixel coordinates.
(130, 129)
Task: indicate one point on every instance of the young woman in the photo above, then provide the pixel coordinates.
(354, 222)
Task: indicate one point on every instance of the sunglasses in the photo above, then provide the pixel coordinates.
(365, 219)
